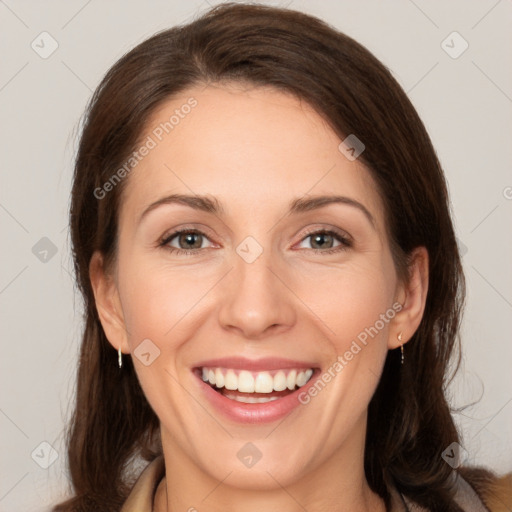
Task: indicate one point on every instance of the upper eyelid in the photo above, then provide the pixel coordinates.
(336, 231)
(186, 229)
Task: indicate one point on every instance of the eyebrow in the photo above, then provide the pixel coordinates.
(210, 204)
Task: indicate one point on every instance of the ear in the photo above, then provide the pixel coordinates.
(108, 304)
(412, 295)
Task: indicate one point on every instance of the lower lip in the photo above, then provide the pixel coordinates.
(254, 413)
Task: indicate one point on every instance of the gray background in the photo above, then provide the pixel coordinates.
(465, 102)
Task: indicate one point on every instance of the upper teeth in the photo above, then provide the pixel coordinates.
(256, 382)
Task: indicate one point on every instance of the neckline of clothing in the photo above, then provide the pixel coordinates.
(142, 495)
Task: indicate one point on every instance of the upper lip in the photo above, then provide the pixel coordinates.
(255, 365)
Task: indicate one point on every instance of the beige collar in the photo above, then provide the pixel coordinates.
(142, 495)
(143, 492)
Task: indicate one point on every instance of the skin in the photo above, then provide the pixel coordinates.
(256, 149)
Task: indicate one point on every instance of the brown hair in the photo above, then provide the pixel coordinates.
(409, 420)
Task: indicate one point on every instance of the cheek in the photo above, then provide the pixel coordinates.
(349, 300)
(155, 298)
(158, 303)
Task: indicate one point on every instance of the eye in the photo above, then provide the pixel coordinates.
(191, 241)
(186, 241)
(326, 241)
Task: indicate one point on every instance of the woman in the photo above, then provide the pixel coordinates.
(260, 221)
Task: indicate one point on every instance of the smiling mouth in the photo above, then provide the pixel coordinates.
(254, 387)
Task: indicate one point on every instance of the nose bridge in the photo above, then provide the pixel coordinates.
(254, 299)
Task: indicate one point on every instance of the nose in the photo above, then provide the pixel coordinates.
(256, 301)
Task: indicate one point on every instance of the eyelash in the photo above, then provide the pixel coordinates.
(345, 242)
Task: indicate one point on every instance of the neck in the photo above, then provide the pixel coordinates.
(338, 484)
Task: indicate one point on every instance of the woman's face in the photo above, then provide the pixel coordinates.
(275, 285)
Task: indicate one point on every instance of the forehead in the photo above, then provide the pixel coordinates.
(248, 146)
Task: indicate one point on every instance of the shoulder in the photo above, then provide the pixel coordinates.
(494, 491)
(474, 489)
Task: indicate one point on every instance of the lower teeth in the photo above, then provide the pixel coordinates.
(249, 399)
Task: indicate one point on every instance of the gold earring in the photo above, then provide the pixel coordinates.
(401, 348)
(119, 357)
